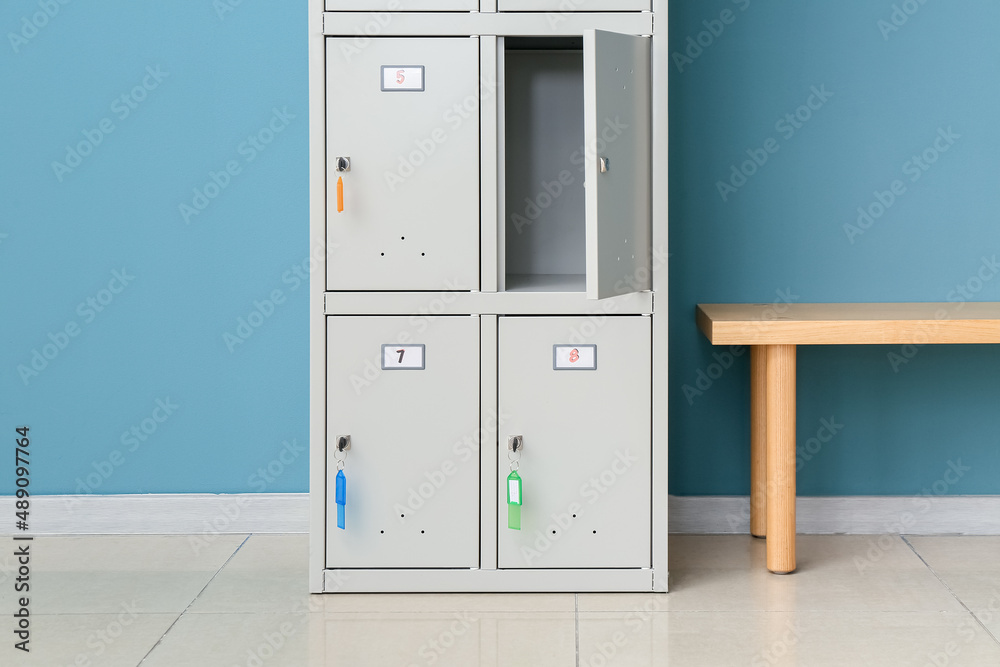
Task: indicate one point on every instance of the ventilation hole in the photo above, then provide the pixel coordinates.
(402, 238)
(401, 516)
(382, 531)
(421, 532)
(574, 516)
(383, 254)
(595, 532)
(423, 254)
(553, 532)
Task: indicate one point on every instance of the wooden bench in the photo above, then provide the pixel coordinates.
(773, 332)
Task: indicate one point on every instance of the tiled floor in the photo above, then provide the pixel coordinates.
(238, 600)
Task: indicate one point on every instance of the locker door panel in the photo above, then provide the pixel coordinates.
(586, 461)
(617, 117)
(406, 113)
(412, 496)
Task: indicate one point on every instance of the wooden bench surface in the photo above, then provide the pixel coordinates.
(850, 323)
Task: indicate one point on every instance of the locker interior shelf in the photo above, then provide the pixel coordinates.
(546, 282)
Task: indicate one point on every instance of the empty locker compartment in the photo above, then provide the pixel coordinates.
(577, 390)
(575, 133)
(405, 395)
(403, 164)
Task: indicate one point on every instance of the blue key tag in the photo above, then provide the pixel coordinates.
(514, 501)
(341, 499)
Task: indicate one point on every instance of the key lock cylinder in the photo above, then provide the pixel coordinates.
(343, 445)
(515, 444)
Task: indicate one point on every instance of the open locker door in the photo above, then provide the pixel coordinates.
(616, 83)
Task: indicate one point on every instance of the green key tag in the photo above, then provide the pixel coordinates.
(514, 501)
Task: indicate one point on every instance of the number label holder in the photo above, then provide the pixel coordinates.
(403, 78)
(574, 357)
(403, 357)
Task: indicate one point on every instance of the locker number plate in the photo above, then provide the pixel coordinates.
(400, 77)
(402, 357)
(574, 357)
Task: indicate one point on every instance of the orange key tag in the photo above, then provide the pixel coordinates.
(340, 194)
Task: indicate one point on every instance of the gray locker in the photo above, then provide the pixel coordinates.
(403, 164)
(586, 460)
(406, 394)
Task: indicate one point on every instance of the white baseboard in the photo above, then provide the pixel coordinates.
(163, 514)
(184, 514)
(863, 515)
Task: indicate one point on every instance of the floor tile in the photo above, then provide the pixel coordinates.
(220, 640)
(836, 573)
(777, 639)
(108, 640)
(98, 574)
(462, 639)
(958, 552)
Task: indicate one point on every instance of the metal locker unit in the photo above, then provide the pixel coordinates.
(406, 399)
(482, 182)
(584, 420)
(403, 147)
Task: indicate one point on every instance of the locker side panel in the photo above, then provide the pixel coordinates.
(586, 462)
(405, 111)
(412, 487)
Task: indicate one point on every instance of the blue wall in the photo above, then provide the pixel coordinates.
(218, 79)
(879, 96)
(168, 329)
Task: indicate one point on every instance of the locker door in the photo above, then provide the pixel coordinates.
(586, 463)
(412, 487)
(404, 5)
(617, 132)
(405, 111)
(575, 5)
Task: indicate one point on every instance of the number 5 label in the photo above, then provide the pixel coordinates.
(574, 357)
(402, 357)
(402, 77)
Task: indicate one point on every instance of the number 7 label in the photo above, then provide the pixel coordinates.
(403, 357)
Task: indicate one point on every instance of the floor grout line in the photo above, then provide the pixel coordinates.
(576, 621)
(989, 632)
(171, 627)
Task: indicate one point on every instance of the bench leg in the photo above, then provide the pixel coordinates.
(780, 408)
(758, 441)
